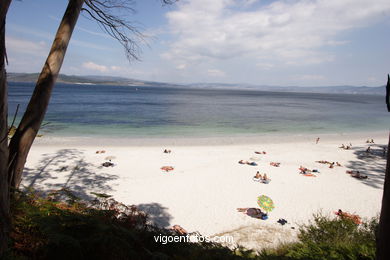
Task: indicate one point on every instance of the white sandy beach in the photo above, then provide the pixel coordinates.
(207, 183)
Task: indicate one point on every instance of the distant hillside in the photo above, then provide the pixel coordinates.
(96, 80)
(109, 80)
(331, 89)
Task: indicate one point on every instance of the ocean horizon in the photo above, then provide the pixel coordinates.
(142, 112)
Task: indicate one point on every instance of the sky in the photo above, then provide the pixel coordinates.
(260, 42)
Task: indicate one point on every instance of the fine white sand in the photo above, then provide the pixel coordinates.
(207, 183)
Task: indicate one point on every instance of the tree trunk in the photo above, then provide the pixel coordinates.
(4, 188)
(383, 236)
(32, 119)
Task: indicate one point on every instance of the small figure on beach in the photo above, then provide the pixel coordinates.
(338, 164)
(357, 174)
(384, 151)
(179, 230)
(317, 140)
(108, 164)
(167, 168)
(303, 170)
(253, 212)
(275, 164)
(368, 149)
(167, 151)
(266, 180)
(345, 215)
(342, 146)
(257, 177)
(102, 151)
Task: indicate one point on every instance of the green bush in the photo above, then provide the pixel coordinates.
(61, 226)
(327, 238)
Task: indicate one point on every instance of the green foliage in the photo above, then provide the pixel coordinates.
(327, 238)
(61, 226)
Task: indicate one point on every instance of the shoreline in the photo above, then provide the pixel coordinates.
(207, 184)
(52, 140)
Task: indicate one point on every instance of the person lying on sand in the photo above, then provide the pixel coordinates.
(263, 152)
(345, 215)
(359, 176)
(275, 164)
(351, 171)
(167, 168)
(253, 212)
(102, 151)
(179, 230)
(323, 162)
(243, 162)
(338, 164)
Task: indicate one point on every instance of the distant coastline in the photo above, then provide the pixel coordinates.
(121, 81)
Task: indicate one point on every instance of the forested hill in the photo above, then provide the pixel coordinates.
(109, 80)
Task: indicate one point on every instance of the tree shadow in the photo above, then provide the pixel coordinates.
(372, 164)
(67, 168)
(157, 214)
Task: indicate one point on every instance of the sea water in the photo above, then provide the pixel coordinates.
(139, 111)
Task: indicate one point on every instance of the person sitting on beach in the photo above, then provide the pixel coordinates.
(348, 147)
(257, 177)
(345, 215)
(167, 151)
(304, 170)
(342, 146)
(266, 180)
(372, 141)
(368, 141)
(179, 230)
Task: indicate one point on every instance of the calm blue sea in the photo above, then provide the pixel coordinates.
(123, 111)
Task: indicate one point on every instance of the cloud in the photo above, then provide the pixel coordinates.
(95, 67)
(290, 32)
(34, 48)
(309, 77)
(216, 73)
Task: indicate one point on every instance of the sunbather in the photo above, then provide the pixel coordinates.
(355, 218)
(275, 164)
(265, 179)
(253, 212)
(179, 230)
(257, 177)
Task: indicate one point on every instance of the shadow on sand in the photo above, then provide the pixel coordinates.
(157, 214)
(67, 168)
(372, 164)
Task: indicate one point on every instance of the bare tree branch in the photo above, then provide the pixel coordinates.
(107, 13)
